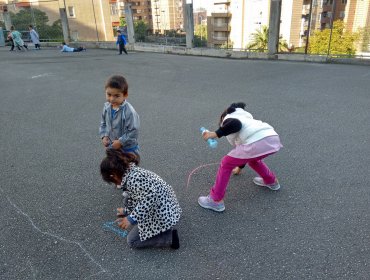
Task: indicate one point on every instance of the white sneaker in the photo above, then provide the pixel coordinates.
(259, 181)
(208, 203)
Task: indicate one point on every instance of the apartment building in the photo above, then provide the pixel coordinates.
(141, 10)
(219, 24)
(234, 22)
(87, 20)
(167, 15)
(357, 18)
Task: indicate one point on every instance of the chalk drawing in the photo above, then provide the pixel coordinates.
(41, 75)
(102, 270)
(112, 226)
(196, 169)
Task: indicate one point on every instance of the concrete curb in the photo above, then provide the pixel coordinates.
(222, 53)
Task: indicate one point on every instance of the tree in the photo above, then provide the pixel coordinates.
(141, 30)
(39, 20)
(260, 41)
(342, 40)
(25, 17)
(122, 21)
(200, 35)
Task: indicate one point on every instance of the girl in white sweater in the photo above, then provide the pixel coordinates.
(253, 140)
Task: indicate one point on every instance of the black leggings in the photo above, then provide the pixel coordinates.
(122, 48)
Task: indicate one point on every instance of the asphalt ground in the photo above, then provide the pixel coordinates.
(53, 202)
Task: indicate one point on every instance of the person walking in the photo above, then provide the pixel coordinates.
(17, 39)
(34, 37)
(121, 42)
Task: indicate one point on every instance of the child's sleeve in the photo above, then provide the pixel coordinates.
(103, 124)
(131, 129)
(143, 208)
(229, 126)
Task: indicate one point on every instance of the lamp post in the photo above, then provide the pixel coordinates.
(164, 21)
(201, 28)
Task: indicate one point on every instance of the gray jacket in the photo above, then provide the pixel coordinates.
(124, 126)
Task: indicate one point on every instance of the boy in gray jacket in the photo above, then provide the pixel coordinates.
(119, 122)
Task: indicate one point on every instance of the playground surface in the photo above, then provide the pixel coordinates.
(53, 203)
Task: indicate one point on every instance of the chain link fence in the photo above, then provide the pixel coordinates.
(42, 15)
(320, 27)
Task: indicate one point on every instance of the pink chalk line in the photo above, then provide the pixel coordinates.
(196, 169)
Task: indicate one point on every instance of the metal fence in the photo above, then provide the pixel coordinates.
(327, 27)
(323, 27)
(42, 15)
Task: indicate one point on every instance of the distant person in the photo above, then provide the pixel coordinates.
(152, 210)
(34, 37)
(17, 39)
(253, 140)
(10, 39)
(121, 42)
(119, 125)
(65, 48)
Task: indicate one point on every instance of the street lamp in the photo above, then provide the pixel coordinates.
(164, 21)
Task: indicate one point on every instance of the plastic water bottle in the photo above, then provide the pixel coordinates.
(212, 143)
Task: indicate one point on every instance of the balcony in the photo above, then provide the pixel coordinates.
(306, 9)
(221, 14)
(222, 27)
(219, 39)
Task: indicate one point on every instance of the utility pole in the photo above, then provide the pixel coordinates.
(331, 25)
(64, 22)
(189, 24)
(274, 27)
(157, 15)
(308, 28)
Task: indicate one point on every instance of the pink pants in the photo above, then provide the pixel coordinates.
(228, 163)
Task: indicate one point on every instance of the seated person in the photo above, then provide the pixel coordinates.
(65, 48)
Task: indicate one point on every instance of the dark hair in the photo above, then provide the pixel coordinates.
(231, 109)
(64, 43)
(12, 27)
(118, 82)
(118, 31)
(116, 163)
(30, 26)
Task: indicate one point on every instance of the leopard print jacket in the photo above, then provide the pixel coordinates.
(152, 202)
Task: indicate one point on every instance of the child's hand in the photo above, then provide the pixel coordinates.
(116, 144)
(123, 223)
(120, 212)
(209, 134)
(105, 141)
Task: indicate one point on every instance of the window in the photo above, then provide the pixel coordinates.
(114, 9)
(71, 12)
(344, 1)
(342, 14)
(327, 2)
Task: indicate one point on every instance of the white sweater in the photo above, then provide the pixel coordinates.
(252, 130)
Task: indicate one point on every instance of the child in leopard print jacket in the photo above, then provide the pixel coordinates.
(153, 209)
